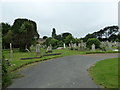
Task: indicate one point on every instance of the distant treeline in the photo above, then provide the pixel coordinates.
(109, 33)
(23, 33)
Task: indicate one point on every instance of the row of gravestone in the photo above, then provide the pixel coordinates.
(81, 45)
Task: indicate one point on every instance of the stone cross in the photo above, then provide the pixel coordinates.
(38, 49)
(93, 47)
(11, 52)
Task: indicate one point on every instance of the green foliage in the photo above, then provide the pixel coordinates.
(108, 33)
(68, 39)
(88, 36)
(24, 31)
(7, 39)
(45, 37)
(54, 42)
(53, 33)
(5, 28)
(91, 41)
(6, 77)
(64, 35)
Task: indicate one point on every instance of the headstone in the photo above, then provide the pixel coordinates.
(32, 48)
(27, 49)
(109, 45)
(11, 52)
(75, 45)
(49, 49)
(64, 45)
(38, 49)
(93, 47)
(70, 45)
(79, 45)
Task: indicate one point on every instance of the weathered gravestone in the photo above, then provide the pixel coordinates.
(75, 45)
(93, 47)
(38, 49)
(27, 49)
(49, 49)
(64, 45)
(109, 45)
(11, 52)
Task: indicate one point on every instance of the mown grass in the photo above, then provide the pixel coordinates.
(17, 63)
(105, 73)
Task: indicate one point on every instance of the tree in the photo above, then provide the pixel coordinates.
(91, 41)
(7, 39)
(24, 32)
(68, 39)
(88, 36)
(54, 42)
(5, 28)
(53, 33)
(45, 37)
(64, 35)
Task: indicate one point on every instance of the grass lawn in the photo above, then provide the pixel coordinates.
(105, 73)
(17, 63)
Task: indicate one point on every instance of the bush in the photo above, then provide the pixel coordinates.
(6, 77)
(91, 41)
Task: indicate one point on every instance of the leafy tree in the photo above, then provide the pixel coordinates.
(64, 35)
(68, 39)
(88, 36)
(54, 42)
(5, 28)
(24, 32)
(7, 39)
(58, 37)
(54, 33)
(45, 37)
(104, 34)
(60, 44)
(91, 41)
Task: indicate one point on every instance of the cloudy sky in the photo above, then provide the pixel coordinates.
(75, 16)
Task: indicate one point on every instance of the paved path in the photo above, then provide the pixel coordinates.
(65, 72)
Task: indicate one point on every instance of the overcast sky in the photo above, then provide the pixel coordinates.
(77, 17)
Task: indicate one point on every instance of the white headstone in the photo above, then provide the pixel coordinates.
(11, 52)
(38, 49)
(93, 47)
(64, 45)
(75, 45)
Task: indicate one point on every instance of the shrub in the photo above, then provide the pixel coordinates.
(91, 41)
(6, 77)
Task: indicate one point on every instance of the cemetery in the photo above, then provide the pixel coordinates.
(22, 48)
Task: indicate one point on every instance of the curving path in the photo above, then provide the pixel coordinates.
(65, 72)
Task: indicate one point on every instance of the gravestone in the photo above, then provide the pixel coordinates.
(38, 49)
(79, 45)
(75, 45)
(32, 48)
(109, 45)
(69, 45)
(64, 45)
(11, 52)
(27, 49)
(49, 49)
(93, 47)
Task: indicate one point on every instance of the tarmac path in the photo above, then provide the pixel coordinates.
(64, 72)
